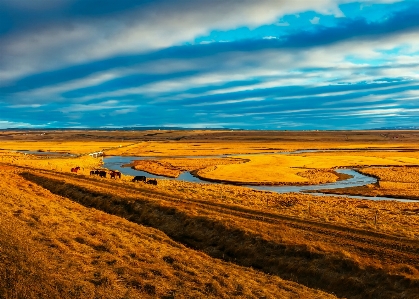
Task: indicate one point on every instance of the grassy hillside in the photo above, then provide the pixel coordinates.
(318, 255)
(51, 247)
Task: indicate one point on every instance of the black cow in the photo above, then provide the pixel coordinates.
(152, 182)
(139, 178)
(102, 174)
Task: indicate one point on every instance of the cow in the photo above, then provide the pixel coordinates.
(102, 174)
(152, 182)
(93, 172)
(75, 169)
(114, 174)
(139, 178)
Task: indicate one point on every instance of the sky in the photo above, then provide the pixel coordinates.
(239, 64)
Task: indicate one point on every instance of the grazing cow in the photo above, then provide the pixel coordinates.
(114, 174)
(102, 174)
(75, 169)
(93, 172)
(152, 182)
(139, 178)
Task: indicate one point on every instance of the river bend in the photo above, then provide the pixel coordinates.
(357, 179)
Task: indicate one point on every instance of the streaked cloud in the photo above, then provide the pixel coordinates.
(263, 65)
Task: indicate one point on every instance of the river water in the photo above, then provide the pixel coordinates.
(357, 179)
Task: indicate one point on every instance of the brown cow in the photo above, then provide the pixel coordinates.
(75, 169)
(115, 174)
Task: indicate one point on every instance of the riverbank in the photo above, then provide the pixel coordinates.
(395, 182)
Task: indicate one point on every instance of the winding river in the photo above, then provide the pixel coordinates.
(357, 179)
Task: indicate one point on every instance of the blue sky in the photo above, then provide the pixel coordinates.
(266, 64)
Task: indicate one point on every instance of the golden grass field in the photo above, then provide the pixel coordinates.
(74, 147)
(174, 167)
(52, 247)
(66, 235)
(316, 252)
(268, 169)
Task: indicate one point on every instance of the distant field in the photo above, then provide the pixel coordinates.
(204, 142)
(73, 147)
(80, 236)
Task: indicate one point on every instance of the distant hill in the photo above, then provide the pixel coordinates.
(116, 129)
(399, 128)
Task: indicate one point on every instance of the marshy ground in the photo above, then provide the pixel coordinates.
(79, 236)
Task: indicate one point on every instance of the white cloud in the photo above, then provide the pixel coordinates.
(225, 102)
(315, 20)
(4, 124)
(152, 27)
(82, 108)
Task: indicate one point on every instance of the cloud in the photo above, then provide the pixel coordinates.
(84, 31)
(315, 20)
(127, 58)
(4, 124)
(83, 108)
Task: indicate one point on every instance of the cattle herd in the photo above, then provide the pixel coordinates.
(114, 174)
(141, 178)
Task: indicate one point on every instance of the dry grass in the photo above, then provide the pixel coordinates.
(397, 218)
(322, 260)
(52, 163)
(395, 174)
(397, 182)
(77, 252)
(74, 147)
(188, 143)
(328, 209)
(55, 248)
(291, 169)
(174, 167)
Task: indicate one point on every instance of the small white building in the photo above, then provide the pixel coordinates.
(97, 154)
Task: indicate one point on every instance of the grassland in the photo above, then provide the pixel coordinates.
(73, 147)
(79, 236)
(314, 253)
(51, 247)
(396, 182)
(174, 167)
(59, 164)
(298, 168)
